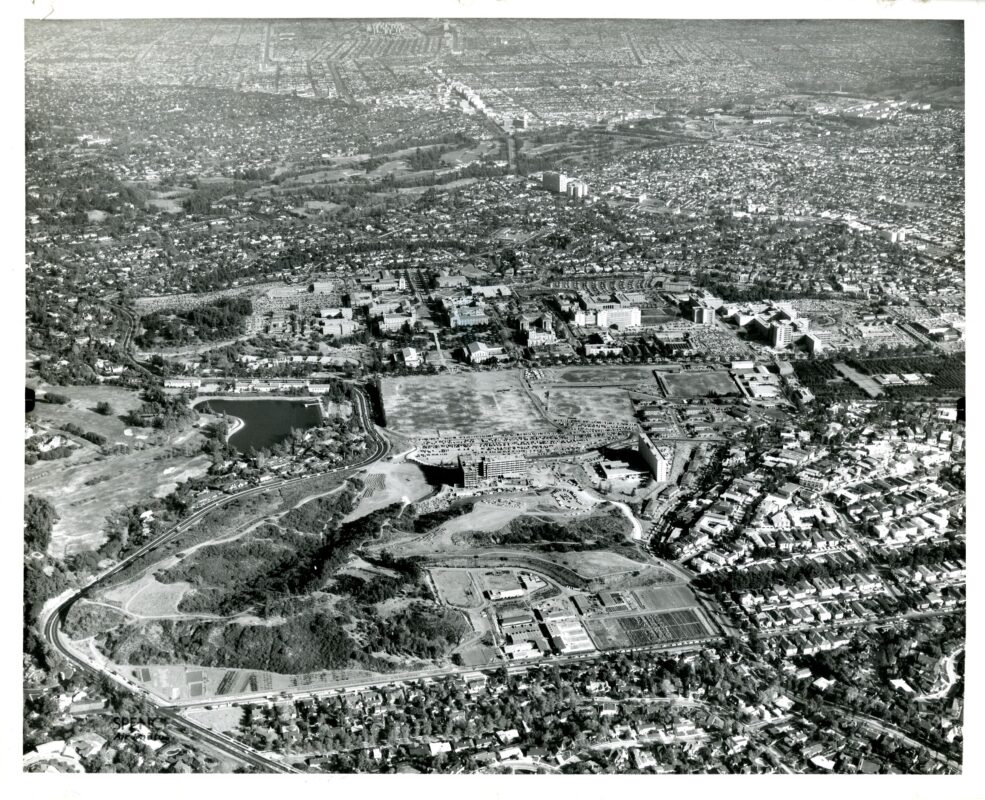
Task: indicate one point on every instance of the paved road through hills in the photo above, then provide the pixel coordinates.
(52, 624)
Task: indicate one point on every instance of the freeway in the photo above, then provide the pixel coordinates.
(128, 337)
(51, 626)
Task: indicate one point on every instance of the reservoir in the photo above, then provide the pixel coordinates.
(266, 422)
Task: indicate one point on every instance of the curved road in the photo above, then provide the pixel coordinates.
(51, 627)
(950, 678)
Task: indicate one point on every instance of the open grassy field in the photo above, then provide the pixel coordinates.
(321, 205)
(466, 403)
(168, 204)
(115, 482)
(698, 384)
(389, 168)
(87, 487)
(590, 402)
(466, 155)
(81, 410)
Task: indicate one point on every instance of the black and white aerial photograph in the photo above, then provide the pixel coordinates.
(492, 395)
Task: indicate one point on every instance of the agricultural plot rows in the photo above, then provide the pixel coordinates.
(646, 630)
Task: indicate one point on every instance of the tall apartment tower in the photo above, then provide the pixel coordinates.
(657, 462)
(703, 315)
(577, 189)
(781, 334)
(556, 182)
(470, 472)
(504, 466)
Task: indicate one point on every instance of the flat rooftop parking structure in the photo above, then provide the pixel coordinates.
(461, 404)
(698, 384)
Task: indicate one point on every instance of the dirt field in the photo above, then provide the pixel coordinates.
(595, 563)
(483, 517)
(225, 719)
(147, 597)
(590, 402)
(387, 484)
(466, 403)
(605, 376)
(666, 598)
(456, 587)
(698, 384)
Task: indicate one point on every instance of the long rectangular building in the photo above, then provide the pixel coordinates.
(655, 458)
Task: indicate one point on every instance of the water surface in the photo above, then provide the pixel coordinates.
(266, 422)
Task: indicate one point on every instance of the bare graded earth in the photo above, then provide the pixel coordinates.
(590, 402)
(603, 376)
(483, 517)
(456, 587)
(460, 404)
(698, 384)
(388, 483)
(607, 566)
(148, 597)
